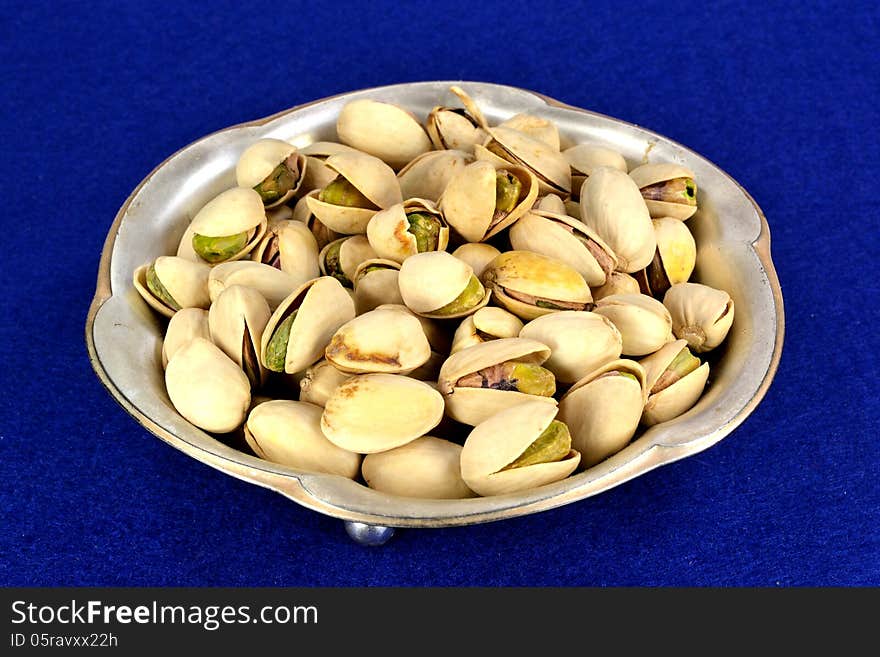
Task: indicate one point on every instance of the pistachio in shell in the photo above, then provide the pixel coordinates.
(375, 284)
(550, 203)
(272, 168)
(236, 320)
(317, 175)
(414, 226)
(489, 323)
(535, 127)
(507, 145)
(428, 467)
(384, 130)
(584, 158)
(301, 212)
(427, 175)
(477, 254)
(341, 258)
(674, 380)
(291, 247)
(700, 314)
(454, 128)
(437, 284)
(227, 228)
(319, 381)
(644, 324)
(674, 258)
(669, 189)
(185, 325)
(617, 283)
(273, 284)
(170, 283)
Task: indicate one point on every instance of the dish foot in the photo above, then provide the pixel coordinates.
(370, 535)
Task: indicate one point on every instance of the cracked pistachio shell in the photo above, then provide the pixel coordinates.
(383, 130)
(207, 388)
(372, 178)
(322, 306)
(289, 433)
(429, 281)
(353, 250)
(236, 320)
(388, 230)
(291, 247)
(702, 315)
(186, 281)
(561, 237)
(489, 323)
(185, 325)
(376, 412)
(643, 322)
(375, 284)
(386, 339)
(535, 127)
(499, 440)
(477, 254)
(535, 275)
(468, 202)
(452, 128)
(546, 163)
(550, 203)
(613, 207)
(273, 284)
(261, 158)
(301, 212)
(234, 211)
(428, 467)
(428, 174)
(603, 414)
(676, 252)
(651, 174)
(474, 405)
(579, 342)
(584, 158)
(673, 400)
(319, 381)
(317, 175)
(618, 283)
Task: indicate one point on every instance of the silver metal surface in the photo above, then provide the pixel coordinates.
(368, 535)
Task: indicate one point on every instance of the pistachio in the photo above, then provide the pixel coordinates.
(282, 179)
(342, 192)
(677, 190)
(218, 249)
(683, 364)
(426, 229)
(472, 294)
(522, 377)
(554, 444)
(332, 264)
(276, 351)
(155, 286)
(507, 192)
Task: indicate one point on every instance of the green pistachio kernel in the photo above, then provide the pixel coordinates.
(342, 192)
(218, 249)
(677, 190)
(529, 378)
(470, 297)
(426, 229)
(333, 266)
(154, 285)
(276, 350)
(629, 376)
(554, 444)
(507, 191)
(549, 305)
(683, 364)
(279, 182)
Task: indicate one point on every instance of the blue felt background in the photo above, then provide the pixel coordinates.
(783, 96)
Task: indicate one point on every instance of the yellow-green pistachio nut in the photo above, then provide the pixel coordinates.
(154, 285)
(218, 249)
(282, 179)
(471, 295)
(554, 444)
(507, 192)
(683, 364)
(426, 229)
(342, 192)
(677, 190)
(513, 375)
(333, 266)
(276, 351)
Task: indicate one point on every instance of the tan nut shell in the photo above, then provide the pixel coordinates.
(231, 212)
(677, 248)
(376, 412)
(383, 130)
(185, 324)
(185, 280)
(579, 342)
(468, 203)
(650, 174)
(261, 158)
(535, 127)
(603, 414)
(273, 284)
(323, 235)
(354, 251)
(323, 306)
(428, 174)
(319, 381)
(289, 433)
(700, 314)
(550, 203)
(499, 440)
(477, 254)
(388, 230)
(546, 163)
(642, 321)
(297, 249)
(618, 283)
(317, 175)
(491, 321)
(537, 275)
(428, 467)
(673, 400)
(377, 287)
(435, 330)
(612, 205)
(429, 281)
(554, 235)
(207, 388)
(386, 339)
(238, 309)
(584, 158)
(448, 128)
(474, 405)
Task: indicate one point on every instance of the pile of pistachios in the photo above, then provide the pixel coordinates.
(440, 309)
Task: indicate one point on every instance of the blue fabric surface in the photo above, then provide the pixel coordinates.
(783, 96)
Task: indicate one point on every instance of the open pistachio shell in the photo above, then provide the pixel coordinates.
(568, 240)
(386, 339)
(207, 388)
(535, 127)
(273, 168)
(648, 176)
(181, 283)
(291, 247)
(383, 130)
(643, 322)
(499, 441)
(395, 236)
(472, 405)
(469, 201)
(486, 324)
(317, 175)
(674, 258)
(427, 175)
(319, 381)
(603, 409)
(428, 467)
(584, 158)
(185, 325)
(613, 207)
(550, 203)
(477, 254)
(617, 283)
(671, 399)
(321, 305)
(289, 433)
(702, 315)
(432, 283)
(579, 342)
(341, 258)
(530, 285)
(547, 164)
(454, 128)
(301, 212)
(375, 284)
(236, 320)
(237, 211)
(376, 412)
(273, 284)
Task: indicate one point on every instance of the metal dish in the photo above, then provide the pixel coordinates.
(124, 335)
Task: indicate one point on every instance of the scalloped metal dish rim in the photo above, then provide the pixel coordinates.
(295, 485)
